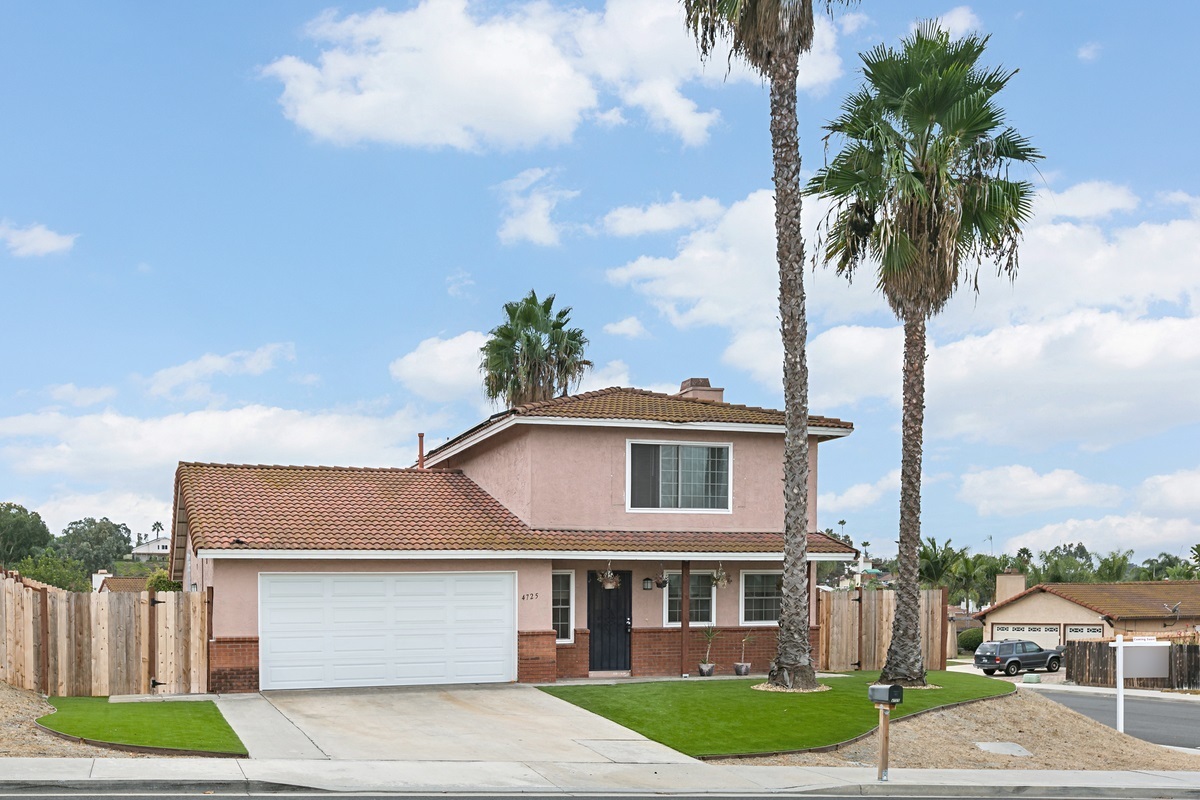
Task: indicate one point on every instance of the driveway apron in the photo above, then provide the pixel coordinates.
(499, 723)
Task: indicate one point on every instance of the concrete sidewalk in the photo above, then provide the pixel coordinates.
(224, 775)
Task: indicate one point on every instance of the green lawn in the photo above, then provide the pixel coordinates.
(726, 717)
(187, 725)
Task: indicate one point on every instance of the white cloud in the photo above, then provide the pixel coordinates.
(960, 21)
(852, 22)
(852, 362)
(530, 199)
(443, 370)
(437, 75)
(1088, 200)
(34, 240)
(616, 373)
(860, 495)
(1017, 489)
(445, 74)
(459, 283)
(1146, 535)
(189, 380)
(138, 511)
(1178, 492)
(1089, 51)
(82, 395)
(660, 217)
(630, 327)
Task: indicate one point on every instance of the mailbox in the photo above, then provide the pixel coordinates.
(889, 694)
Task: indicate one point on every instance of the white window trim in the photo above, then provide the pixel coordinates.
(666, 595)
(571, 611)
(629, 478)
(742, 599)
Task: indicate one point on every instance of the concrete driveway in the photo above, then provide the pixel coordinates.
(507, 722)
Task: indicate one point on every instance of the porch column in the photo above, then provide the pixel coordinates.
(685, 605)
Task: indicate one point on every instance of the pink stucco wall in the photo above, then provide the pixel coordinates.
(235, 586)
(575, 477)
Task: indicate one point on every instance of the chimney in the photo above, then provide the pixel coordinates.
(1009, 584)
(420, 451)
(700, 389)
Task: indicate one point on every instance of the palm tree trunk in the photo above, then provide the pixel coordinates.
(904, 665)
(793, 666)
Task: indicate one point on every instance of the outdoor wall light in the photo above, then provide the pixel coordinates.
(647, 583)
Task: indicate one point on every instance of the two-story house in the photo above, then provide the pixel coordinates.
(557, 539)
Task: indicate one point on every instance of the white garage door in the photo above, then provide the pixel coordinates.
(386, 629)
(1045, 635)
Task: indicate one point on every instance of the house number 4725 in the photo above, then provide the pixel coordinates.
(530, 596)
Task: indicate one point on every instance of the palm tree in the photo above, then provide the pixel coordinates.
(921, 186)
(770, 35)
(1114, 567)
(157, 528)
(532, 355)
(937, 562)
(970, 576)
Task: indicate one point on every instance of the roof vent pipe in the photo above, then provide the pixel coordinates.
(420, 451)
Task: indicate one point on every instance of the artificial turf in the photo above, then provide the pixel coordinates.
(188, 725)
(728, 717)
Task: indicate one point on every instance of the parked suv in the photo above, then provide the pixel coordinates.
(1014, 655)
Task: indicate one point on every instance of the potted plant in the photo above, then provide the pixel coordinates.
(706, 666)
(609, 579)
(743, 667)
(660, 580)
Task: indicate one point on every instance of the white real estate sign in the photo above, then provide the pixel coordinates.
(321, 630)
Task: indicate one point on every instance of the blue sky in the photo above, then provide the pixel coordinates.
(277, 233)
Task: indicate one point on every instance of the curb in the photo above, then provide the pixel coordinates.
(142, 749)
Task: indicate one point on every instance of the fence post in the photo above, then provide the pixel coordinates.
(44, 634)
(152, 633)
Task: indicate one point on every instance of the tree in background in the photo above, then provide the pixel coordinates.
(533, 355)
(770, 35)
(1195, 554)
(1114, 567)
(1157, 567)
(22, 533)
(970, 577)
(49, 567)
(920, 186)
(160, 581)
(937, 562)
(157, 529)
(97, 543)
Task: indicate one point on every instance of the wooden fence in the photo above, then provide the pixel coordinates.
(1094, 663)
(856, 628)
(79, 644)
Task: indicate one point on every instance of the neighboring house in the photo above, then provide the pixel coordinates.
(153, 550)
(115, 584)
(484, 562)
(1055, 613)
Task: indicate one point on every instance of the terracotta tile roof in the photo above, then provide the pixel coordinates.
(1133, 600)
(119, 584)
(686, 541)
(244, 507)
(619, 403)
(233, 506)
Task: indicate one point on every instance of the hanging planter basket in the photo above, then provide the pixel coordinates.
(609, 579)
(720, 577)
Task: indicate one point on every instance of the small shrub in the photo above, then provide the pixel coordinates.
(970, 639)
(160, 581)
(51, 568)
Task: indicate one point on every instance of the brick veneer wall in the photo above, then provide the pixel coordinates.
(233, 665)
(574, 659)
(537, 657)
(655, 651)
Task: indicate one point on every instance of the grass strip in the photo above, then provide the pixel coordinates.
(190, 725)
(728, 717)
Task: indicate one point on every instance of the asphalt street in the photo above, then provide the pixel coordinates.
(1169, 722)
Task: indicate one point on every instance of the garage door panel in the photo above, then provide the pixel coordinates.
(423, 629)
(1044, 635)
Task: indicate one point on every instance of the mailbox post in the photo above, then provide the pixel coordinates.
(885, 697)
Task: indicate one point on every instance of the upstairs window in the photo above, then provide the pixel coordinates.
(690, 477)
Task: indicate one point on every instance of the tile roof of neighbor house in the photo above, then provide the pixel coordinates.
(249, 507)
(619, 403)
(1141, 600)
(119, 584)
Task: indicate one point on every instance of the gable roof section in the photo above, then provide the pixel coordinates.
(239, 507)
(638, 405)
(1134, 600)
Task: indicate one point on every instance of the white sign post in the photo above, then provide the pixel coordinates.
(1147, 659)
